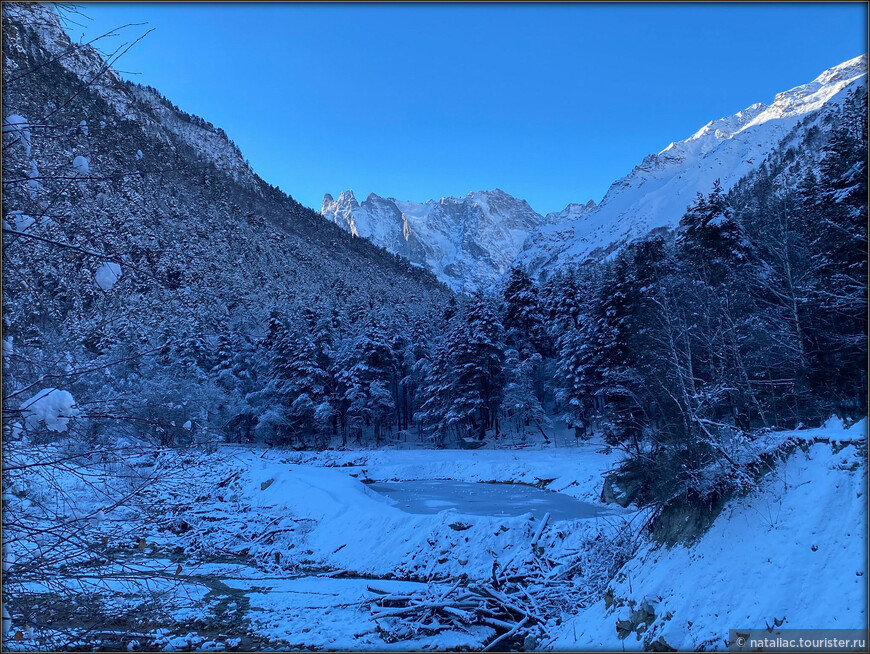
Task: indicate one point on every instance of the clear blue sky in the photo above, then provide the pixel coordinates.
(550, 103)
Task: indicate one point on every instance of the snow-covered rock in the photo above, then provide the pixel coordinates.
(80, 165)
(573, 211)
(468, 243)
(656, 193)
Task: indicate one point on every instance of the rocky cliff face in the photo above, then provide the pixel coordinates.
(468, 243)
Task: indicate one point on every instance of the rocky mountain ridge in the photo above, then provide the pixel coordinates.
(656, 193)
(470, 242)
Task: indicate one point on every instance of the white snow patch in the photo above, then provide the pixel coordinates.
(107, 275)
(51, 406)
(19, 125)
(23, 222)
(80, 165)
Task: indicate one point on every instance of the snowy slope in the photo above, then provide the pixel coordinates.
(130, 102)
(467, 242)
(573, 211)
(656, 193)
(795, 552)
(178, 194)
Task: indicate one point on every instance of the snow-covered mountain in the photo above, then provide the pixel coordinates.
(656, 193)
(573, 211)
(470, 242)
(467, 242)
(167, 191)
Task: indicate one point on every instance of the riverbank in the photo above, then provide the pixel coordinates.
(247, 548)
(791, 555)
(273, 543)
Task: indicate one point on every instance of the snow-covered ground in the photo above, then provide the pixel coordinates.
(303, 512)
(288, 543)
(269, 548)
(794, 553)
(322, 513)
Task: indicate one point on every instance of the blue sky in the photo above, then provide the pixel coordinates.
(550, 103)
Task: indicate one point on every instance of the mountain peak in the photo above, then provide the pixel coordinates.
(573, 211)
(347, 198)
(656, 193)
(492, 192)
(341, 211)
(468, 242)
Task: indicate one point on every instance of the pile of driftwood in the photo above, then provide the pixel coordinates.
(511, 610)
(510, 615)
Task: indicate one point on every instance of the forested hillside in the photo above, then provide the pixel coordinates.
(751, 316)
(135, 233)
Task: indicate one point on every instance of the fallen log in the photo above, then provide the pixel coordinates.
(540, 531)
(505, 635)
(519, 600)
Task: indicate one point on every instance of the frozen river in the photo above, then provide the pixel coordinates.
(434, 496)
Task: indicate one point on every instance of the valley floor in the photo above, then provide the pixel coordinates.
(257, 549)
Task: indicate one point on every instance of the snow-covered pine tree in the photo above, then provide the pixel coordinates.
(476, 347)
(523, 317)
